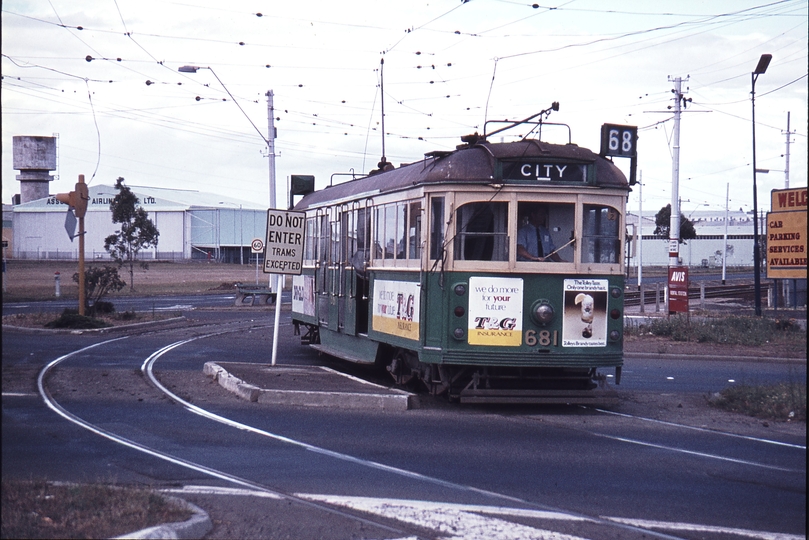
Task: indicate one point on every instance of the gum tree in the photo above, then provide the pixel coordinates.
(137, 231)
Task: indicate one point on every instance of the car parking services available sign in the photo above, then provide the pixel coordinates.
(283, 253)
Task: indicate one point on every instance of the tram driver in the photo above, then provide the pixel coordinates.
(534, 242)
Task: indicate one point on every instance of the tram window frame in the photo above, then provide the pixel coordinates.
(323, 230)
(560, 223)
(600, 246)
(492, 242)
(311, 243)
(436, 249)
(414, 231)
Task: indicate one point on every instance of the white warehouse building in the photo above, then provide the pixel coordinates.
(192, 225)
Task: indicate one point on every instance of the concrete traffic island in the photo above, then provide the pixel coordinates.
(306, 386)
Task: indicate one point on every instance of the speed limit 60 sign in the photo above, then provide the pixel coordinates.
(257, 245)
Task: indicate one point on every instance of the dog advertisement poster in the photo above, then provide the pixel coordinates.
(585, 313)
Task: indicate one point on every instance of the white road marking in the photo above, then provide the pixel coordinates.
(216, 490)
(694, 453)
(174, 307)
(673, 526)
(18, 394)
(453, 521)
(695, 428)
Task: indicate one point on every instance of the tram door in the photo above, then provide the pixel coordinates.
(354, 305)
(322, 269)
(334, 272)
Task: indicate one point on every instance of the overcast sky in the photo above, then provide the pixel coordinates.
(103, 75)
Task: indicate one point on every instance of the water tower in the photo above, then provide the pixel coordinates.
(34, 157)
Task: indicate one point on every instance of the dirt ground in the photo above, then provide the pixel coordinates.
(35, 280)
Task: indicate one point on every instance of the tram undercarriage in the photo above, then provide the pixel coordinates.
(493, 384)
(477, 384)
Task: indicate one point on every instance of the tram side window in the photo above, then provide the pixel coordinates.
(437, 228)
(362, 229)
(310, 246)
(481, 232)
(601, 239)
(414, 231)
(391, 231)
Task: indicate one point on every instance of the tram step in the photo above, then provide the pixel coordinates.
(599, 396)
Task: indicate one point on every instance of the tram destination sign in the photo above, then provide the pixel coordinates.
(786, 234)
(545, 172)
(283, 247)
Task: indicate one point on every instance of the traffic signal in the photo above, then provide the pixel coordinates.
(76, 199)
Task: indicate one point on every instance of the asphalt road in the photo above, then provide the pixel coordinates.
(441, 470)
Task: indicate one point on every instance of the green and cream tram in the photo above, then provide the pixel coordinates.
(420, 269)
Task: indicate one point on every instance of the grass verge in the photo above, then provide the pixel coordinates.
(781, 402)
(68, 320)
(729, 330)
(38, 509)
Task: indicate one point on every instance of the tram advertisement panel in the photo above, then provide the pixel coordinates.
(585, 317)
(303, 295)
(396, 308)
(495, 311)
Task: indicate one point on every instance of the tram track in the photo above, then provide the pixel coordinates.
(391, 525)
(712, 461)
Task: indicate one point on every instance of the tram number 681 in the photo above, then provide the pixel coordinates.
(544, 338)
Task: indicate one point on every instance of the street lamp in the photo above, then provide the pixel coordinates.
(763, 63)
(194, 69)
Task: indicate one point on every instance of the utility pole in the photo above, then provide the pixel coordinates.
(786, 168)
(674, 222)
(273, 204)
(271, 155)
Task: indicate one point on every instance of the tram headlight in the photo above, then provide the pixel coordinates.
(460, 289)
(458, 333)
(615, 335)
(543, 312)
(616, 292)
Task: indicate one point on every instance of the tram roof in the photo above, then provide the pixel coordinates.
(469, 164)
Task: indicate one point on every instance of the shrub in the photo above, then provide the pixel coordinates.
(71, 319)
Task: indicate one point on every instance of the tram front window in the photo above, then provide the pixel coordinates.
(481, 232)
(601, 241)
(545, 231)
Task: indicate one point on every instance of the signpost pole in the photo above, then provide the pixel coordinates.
(277, 317)
(283, 254)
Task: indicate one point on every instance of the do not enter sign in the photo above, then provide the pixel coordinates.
(257, 245)
(284, 242)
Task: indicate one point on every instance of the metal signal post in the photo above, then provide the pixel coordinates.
(77, 200)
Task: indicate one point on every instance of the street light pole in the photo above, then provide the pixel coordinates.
(761, 67)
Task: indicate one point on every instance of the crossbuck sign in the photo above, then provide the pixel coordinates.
(283, 248)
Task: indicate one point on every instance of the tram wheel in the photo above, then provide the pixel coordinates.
(399, 368)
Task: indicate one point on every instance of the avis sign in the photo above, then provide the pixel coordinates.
(283, 248)
(678, 289)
